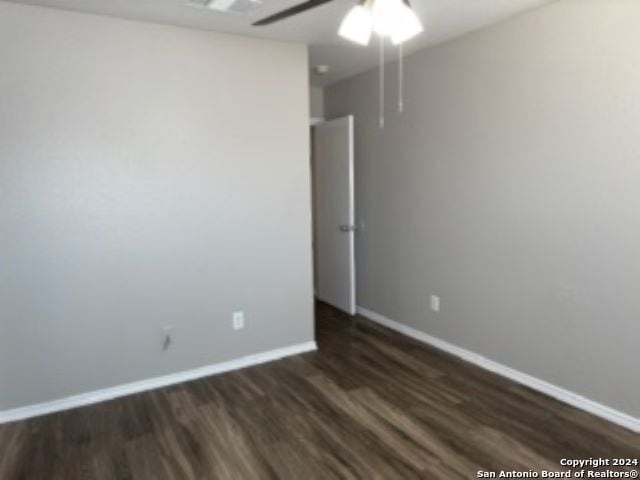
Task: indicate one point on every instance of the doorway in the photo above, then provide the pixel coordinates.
(334, 225)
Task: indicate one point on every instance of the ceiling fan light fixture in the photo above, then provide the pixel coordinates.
(409, 25)
(387, 17)
(357, 25)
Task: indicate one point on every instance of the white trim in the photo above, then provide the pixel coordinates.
(352, 211)
(547, 388)
(151, 384)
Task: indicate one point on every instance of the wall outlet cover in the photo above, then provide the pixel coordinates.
(238, 320)
(435, 303)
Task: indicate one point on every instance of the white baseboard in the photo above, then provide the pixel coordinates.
(150, 384)
(547, 388)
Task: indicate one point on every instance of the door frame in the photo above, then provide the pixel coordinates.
(349, 120)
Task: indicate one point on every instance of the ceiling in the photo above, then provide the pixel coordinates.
(443, 19)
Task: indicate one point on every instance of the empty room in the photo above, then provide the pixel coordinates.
(319, 239)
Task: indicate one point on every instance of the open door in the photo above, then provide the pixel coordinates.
(334, 213)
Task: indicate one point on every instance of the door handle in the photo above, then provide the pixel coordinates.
(348, 228)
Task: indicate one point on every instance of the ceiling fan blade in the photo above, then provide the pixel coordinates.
(289, 12)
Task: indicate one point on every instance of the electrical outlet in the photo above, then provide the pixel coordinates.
(166, 337)
(238, 320)
(435, 303)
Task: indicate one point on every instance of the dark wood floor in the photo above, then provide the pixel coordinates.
(370, 404)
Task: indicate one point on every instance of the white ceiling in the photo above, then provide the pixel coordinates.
(443, 19)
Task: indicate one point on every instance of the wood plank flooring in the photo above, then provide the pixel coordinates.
(370, 404)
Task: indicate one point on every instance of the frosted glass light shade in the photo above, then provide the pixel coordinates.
(387, 17)
(357, 25)
(408, 27)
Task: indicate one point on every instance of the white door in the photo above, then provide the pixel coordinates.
(334, 213)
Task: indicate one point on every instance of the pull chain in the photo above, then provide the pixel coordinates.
(400, 79)
(381, 82)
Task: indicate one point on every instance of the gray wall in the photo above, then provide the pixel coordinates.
(149, 176)
(511, 188)
(316, 99)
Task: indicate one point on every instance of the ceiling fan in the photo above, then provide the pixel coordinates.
(290, 12)
(392, 19)
(388, 18)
